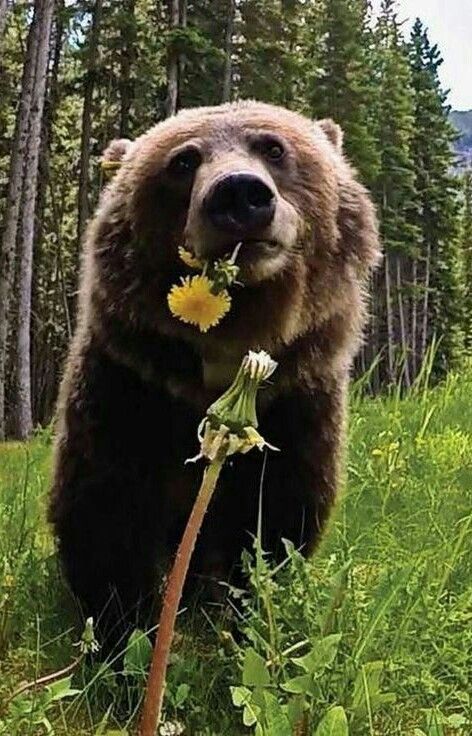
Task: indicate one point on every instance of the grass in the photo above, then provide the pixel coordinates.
(373, 636)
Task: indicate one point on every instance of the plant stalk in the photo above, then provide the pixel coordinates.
(156, 682)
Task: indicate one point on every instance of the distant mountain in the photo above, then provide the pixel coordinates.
(462, 121)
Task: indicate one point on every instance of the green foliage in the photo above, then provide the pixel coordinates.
(330, 58)
(343, 85)
(466, 237)
(437, 214)
(270, 33)
(334, 723)
(372, 636)
(396, 124)
(33, 711)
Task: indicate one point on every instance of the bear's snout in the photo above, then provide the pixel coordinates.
(240, 204)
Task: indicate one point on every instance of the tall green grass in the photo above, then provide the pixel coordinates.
(374, 635)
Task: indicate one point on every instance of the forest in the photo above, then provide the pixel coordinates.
(76, 74)
(371, 636)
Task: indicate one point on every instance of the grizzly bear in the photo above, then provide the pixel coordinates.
(138, 380)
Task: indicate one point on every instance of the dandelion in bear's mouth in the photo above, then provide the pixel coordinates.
(194, 303)
(204, 300)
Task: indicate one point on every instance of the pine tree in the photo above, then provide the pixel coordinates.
(269, 63)
(343, 86)
(87, 113)
(394, 187)
(203, 44)
(12, 210)
(441, 263)
(467, 255)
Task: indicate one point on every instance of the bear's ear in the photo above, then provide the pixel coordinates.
(333, 132)
(116, 150)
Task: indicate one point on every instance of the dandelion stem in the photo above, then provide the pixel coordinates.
(156, 682)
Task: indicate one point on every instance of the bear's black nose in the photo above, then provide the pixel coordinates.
(240, 203)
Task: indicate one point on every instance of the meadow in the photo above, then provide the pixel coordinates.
(371, 637)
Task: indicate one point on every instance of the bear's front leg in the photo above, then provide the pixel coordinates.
(301, 480)
(108, 506)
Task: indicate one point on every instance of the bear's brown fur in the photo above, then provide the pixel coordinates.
(137, 379)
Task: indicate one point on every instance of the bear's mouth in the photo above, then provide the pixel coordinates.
(269, 245)
(252, 249)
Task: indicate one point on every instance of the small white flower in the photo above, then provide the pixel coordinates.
(88, 644)
(258, 365)
(171, 728)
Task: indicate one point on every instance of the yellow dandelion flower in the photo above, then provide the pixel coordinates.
(189, 259)
(194, 303)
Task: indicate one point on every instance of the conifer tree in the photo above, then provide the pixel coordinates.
(394, 187)
(343, 86)
(437, 214)
(269, 65)
(467, 255)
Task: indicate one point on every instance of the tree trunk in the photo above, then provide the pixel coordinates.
(414, 318)
(127, 59)
(228, 68)
(425, 321)
(374, 333)
(403, 328)
(43, 325)
(390, 336)
(3, 16)
(83, 196)
(15, 181)
(182, 58)
(173, 63)
(22, 416)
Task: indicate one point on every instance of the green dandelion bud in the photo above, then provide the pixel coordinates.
(230, 425)
(88, 644)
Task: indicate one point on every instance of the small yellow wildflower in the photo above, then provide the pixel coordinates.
(190, 259)
(110, 165)
(195, 303)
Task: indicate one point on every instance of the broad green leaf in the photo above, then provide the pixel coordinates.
(276, 720)
(255, 670)
(240, 696)
(334, 723)
(61, 689)
(321, 656)
(251, 714)
(138, 653)
(298, 685)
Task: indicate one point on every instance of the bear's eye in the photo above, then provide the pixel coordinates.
(185, 162)
(272, 149)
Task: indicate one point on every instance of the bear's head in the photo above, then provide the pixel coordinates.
(210, 178)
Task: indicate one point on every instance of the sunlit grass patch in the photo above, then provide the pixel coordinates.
(391, 583)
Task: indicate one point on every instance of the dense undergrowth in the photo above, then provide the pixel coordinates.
(373, 636)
